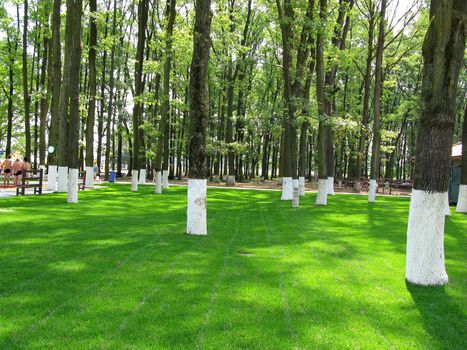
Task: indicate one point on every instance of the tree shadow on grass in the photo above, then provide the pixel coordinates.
(443, 319)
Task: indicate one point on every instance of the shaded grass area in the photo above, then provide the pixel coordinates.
(118, 271)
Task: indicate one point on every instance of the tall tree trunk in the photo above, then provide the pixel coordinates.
(52, 158)
(462, 200)
(443, 51)
(323, 112)
(11, 91)
(73, 60)
(366, 100)
(46, 73)
(110, 107)
(162, 155)
(142, 23)
(375, 153)
(92, 95)
(26, 95)
(100, 116)
(196, 213)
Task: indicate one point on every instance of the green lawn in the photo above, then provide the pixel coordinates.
(118, 271)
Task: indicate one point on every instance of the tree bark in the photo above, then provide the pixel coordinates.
(376, 145)
(366, 101)
(90, 121)
(443, 51)
(198, 103)
(110, 107)
(56, 84)
(26, 95)
(162, 152)
(142, 23)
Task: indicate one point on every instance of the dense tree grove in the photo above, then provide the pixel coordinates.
(295, 88)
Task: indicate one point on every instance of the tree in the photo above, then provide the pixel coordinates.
(370, 14)
(443, 51)
(196, 213)
(462, 200)
(26, 95)
(323, 110)
(90, 120)
(110, 108)
(71, 88)
(138, 91)
(375, 154)
(162, 155)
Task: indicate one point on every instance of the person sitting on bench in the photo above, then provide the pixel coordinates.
(7, 164)
(17, 171)
(26, 167)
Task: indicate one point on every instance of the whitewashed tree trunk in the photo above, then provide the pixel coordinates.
(462, 200)
(446, 207)
(215, 178)
(196, 210)
(330, 185)
(425, 239)
(301, 186)
(89, 182)
(295, 193)
(287, 189)
(165, 179)
(73, 186)
(230, 180)
(158, 184)
(134, 180)
(62, 181)
(280, 181)
(372, 191)
(142, 176)
(52, 178)
(322, 195)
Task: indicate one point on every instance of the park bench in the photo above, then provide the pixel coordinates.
(31, 179)
(82, 177)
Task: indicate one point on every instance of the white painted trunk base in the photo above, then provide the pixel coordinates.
(230, 180)
(215, 178)
(287, 189)
(142, 176)
(196, 211)
(330, 185)
(295, 193)
(372, 191)
(52, 178)
(322, 195)
(165, 179)
(62, 181)
(446, 207)
(73, 186)
(134, 181)
(462, 200)
(425, 239)
(279, 181)
(89, 182)
(301, 186)
(158, 182)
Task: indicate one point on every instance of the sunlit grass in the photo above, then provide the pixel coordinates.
(118, 271)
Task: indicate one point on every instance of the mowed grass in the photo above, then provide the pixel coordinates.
(118, 271)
